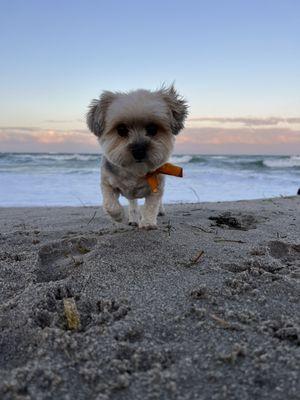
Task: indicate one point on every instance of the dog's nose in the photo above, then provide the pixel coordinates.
(139, 150)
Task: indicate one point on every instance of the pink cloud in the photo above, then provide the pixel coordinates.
(230, 140)
(259, 140)
(44, 140)
(248, 121)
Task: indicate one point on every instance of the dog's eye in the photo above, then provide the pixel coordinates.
(151, 129)
(122, 130)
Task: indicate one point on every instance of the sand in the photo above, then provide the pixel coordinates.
(206, 307)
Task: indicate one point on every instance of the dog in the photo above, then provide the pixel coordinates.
(136, 131)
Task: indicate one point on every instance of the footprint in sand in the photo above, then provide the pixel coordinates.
(58, 259)
(284, 251)
(143, 359)
(50, 312)
(235, 268)
(282, 329)
(237, 221)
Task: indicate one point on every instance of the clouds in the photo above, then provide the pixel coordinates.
(239, 141)
(244, 135)
(225, 135)
(248, 121)
(63, 121)
(33, 139)
(234, 136)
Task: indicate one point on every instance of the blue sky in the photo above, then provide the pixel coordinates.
(228, 58)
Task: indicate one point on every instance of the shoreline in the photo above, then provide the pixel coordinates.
(183, 203)
(206, 306)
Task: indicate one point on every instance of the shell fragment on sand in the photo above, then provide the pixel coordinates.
(71, 313)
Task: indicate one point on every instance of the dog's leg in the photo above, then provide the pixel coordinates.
(161, 210)
(111, 202)
(133, 212)
(150, 211)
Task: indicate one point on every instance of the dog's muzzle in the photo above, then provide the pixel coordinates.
(139, 150)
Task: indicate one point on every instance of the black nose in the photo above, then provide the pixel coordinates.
(139, 151)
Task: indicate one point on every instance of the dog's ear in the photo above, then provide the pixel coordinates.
(178, 108)
(97, 111)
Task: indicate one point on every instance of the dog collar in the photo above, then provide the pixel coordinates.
(167, 169)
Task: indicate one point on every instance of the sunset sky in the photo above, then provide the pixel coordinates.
(236, 62)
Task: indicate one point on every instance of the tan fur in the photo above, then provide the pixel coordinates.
(121, 173)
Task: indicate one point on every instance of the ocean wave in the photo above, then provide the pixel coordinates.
(219, 157)
(241, 162)
(185, 159)
(251, 163)
(181, 159)
(262, 162)
(288, 162)
(64, 157)
(71, 157)
(219, 161)
(47, 157)
(78, 162)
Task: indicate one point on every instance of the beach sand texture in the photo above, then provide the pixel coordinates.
(206, 307)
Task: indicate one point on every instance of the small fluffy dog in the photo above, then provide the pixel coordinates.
(137, 133)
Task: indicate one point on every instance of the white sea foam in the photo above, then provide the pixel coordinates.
(181, 159)
(219, 157)
(290, 162)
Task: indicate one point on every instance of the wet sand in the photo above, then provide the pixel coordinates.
(206, 307)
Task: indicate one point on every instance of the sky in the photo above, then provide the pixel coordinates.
(236, 62)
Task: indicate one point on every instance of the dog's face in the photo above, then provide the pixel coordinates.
(137, 129)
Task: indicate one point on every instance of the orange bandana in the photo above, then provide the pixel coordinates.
(167, 169)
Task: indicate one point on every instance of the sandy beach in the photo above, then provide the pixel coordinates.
(205, 307)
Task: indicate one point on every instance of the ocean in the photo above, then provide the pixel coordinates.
(56, 179)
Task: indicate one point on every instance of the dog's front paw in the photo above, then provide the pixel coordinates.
(161, 211)
(133, 218)
(147, 226)
(132, 223)
(117, 214)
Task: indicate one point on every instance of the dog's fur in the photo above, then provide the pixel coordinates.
(137, 132)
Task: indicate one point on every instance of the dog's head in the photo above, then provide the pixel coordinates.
(137, 129)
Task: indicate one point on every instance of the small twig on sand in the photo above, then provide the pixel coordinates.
(93, 217)
(193, 261)
(225, 324)
(221, 321)
(195, 193)
(217, 240)
(238, 351)
(197, 258)
(279, 236)
(85, 283)
(82, 203)
(201, 229)
(170, 228)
